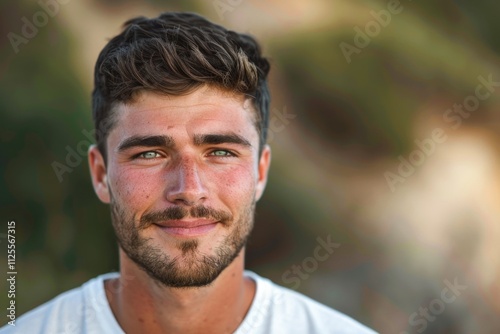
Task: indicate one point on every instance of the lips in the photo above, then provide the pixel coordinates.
(188, 228)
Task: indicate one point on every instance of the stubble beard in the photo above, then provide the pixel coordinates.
(192, 268)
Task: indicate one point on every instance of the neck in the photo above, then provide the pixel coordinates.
(142, 305)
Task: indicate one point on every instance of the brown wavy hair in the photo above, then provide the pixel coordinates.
(174, 54)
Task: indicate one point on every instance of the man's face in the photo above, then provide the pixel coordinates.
(182, 178)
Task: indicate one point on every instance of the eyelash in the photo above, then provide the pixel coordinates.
(141, 155)
(229, 155)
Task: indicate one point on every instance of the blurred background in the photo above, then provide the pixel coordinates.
(385, 134)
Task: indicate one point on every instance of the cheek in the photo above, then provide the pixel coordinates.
(141, 188)
(235, 184)
(134, 187)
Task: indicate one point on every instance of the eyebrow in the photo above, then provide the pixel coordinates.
(167, 141)
(214, 139)
(147, 141)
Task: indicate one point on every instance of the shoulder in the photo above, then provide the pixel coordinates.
(63, 314)
(53, 315)
(280, 310)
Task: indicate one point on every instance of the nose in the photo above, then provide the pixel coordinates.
(185, 184)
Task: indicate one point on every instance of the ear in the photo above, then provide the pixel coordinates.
(263, 168)
(98, 173)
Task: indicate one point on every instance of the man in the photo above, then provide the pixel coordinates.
(180, 108)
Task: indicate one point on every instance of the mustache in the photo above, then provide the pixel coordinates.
(179, 212)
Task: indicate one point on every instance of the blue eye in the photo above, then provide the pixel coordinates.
(222, 153)
(149, 155)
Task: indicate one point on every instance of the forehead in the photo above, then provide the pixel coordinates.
(201, 111)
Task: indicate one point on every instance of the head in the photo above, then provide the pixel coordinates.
(180, 107)
(173, 55)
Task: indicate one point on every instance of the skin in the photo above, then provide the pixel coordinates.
(227, 177)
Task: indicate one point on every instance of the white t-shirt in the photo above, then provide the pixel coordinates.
(274, 310)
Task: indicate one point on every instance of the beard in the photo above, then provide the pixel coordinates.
(192, 268)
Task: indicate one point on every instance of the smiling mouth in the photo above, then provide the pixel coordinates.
(185, 228)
